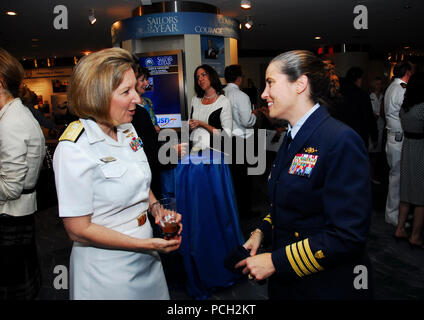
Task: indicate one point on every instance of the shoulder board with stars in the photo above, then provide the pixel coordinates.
(72, 132)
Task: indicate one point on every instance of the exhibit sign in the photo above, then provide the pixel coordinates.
(213, 53)
(166, 87)
(174, 23)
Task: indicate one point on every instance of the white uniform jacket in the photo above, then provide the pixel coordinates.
(109, 180)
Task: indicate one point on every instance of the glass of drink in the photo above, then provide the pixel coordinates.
(168, 210)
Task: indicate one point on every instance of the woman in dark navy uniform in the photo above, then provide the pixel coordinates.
(319, 193)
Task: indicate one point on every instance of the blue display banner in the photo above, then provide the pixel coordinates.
(174, 23)
(159, 61)
(163, 89)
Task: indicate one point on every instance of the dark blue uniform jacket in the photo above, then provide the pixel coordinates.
(320, 212)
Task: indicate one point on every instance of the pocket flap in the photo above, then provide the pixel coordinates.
(113, 170)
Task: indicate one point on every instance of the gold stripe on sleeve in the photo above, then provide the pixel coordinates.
(268, 218)
(311, 256)
(292, 263)
(305, 258)
(298, 260)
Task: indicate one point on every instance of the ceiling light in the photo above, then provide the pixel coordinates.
(91, 16)
(11, 13)
(249, 23)
(245, 4)
(317, 38)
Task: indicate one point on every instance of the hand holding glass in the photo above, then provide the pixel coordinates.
(168, 217)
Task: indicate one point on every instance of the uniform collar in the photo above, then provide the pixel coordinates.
(96, 134)
(293, 130)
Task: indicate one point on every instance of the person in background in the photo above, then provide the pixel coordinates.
(29, 99)
(150, 137)
(357, 106)
(103, 186)
(393, 99)
(243, 134)
(143, 75)
(252, 92)
(147, 131)
(210, 109)
(412, 161)
(375, 150)
(319, 192)
(21, 157)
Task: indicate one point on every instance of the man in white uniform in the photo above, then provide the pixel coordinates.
(393, 100)
(243, 122)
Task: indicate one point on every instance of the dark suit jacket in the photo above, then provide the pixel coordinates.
(356, 112)
(319, 224)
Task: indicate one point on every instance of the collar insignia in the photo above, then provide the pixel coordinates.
(310, 150)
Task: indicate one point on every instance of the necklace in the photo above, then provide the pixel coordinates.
(210, 97)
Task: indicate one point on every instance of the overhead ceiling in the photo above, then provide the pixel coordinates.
(279, 25)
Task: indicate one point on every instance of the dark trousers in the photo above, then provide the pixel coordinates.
(242, 182)
(20, 276)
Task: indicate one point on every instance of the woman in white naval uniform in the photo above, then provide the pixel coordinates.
(103, 186)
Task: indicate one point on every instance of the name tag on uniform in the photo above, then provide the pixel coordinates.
(303, 164)
(108, 159)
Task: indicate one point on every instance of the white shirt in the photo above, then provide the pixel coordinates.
(294, 130)
(201, 112)
(393, 100)
(243, 118)
(22, 150)
(114, 192)
(376, 103)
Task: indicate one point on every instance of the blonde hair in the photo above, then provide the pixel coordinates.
(93, 81)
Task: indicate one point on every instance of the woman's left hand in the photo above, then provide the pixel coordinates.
(194, 124)
(181, 149)
(258, 267)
